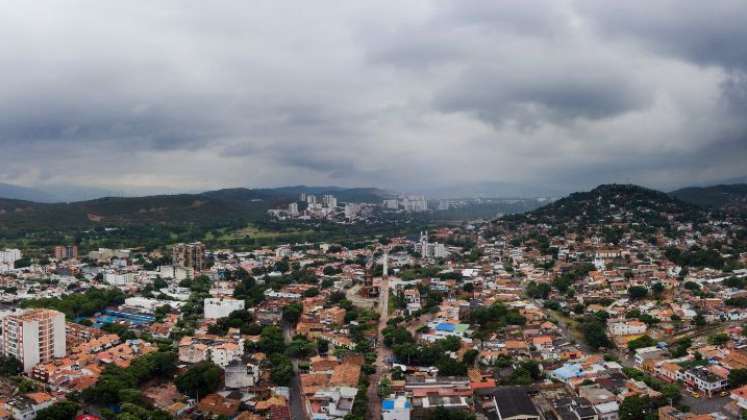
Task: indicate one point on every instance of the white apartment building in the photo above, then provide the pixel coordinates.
(221, 307)
(119, 279)
(34, 336)
(10, 256)
(619, 329)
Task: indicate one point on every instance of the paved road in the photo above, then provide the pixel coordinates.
(704, 405)
(297, 411)
(296, 400)
(382, 355)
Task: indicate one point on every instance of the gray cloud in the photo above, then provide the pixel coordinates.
(189, 95)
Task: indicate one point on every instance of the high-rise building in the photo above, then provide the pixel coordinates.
(189, 255)
(352, 210)
(66, 252)
(391, 204)
(34, 336)
(329, 201)
(293, 209)
(10, 256)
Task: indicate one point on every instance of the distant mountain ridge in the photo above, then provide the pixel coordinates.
(17, 192)
(718, 197)
(213, 207)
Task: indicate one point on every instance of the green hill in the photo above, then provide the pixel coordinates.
(717, 197)
(614, 203)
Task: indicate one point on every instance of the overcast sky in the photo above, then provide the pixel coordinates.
(193, 95)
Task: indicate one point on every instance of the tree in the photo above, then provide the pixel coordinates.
(641, 342)
(692, 286)
(282, 369)
(593, 329)
(718, 339)
(299, 348)
(311, 292)
(441, 413)
(450, 367)
(470, 356)
(201, 379)
(292, 313)
(63, 410)
(10, 366)
(737, 377)
(636, 408)
(271, 340)
(322, 346)
(637, 292)
(657, 289)
(385, 387)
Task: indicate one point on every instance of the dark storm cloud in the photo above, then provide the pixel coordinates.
(190, 95)
(705, 32)
(497, 97)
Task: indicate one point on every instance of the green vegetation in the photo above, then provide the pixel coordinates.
(10, 366)
(641, 342)
(116, 383)
(236, 319)
(696, 258)
(79, 304)
(737, 377)
(63, 410)
(282, 369)
(593, 327)
(637, 292)
(201, 379)
(491, 318)
(435, 354)
(638, 407)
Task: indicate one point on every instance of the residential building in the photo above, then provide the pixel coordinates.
(189, 255)
(396, 408)
(66, 252)
(34, 336)
(215, 308)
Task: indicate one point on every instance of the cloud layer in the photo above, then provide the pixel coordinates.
(194, 95)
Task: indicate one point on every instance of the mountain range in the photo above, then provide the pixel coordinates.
(220, 206)
(208, 207)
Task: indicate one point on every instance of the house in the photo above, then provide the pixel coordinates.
(217, 405)
(26, 406)
(739, 396)
(396, 408)
(604, 402)
(705, 380)
(506, 403)
(574, 408)
(670, 372)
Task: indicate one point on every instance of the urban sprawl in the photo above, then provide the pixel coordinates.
(602, 308)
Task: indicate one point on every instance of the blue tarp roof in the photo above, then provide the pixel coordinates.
(445, 326)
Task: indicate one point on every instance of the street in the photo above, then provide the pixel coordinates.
(297, 411)
(382, 354)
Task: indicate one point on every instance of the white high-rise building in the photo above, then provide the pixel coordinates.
(351, 210)
(293, 209)
(9, 257)
(391, 204)
(34, 336)
(329, 201)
